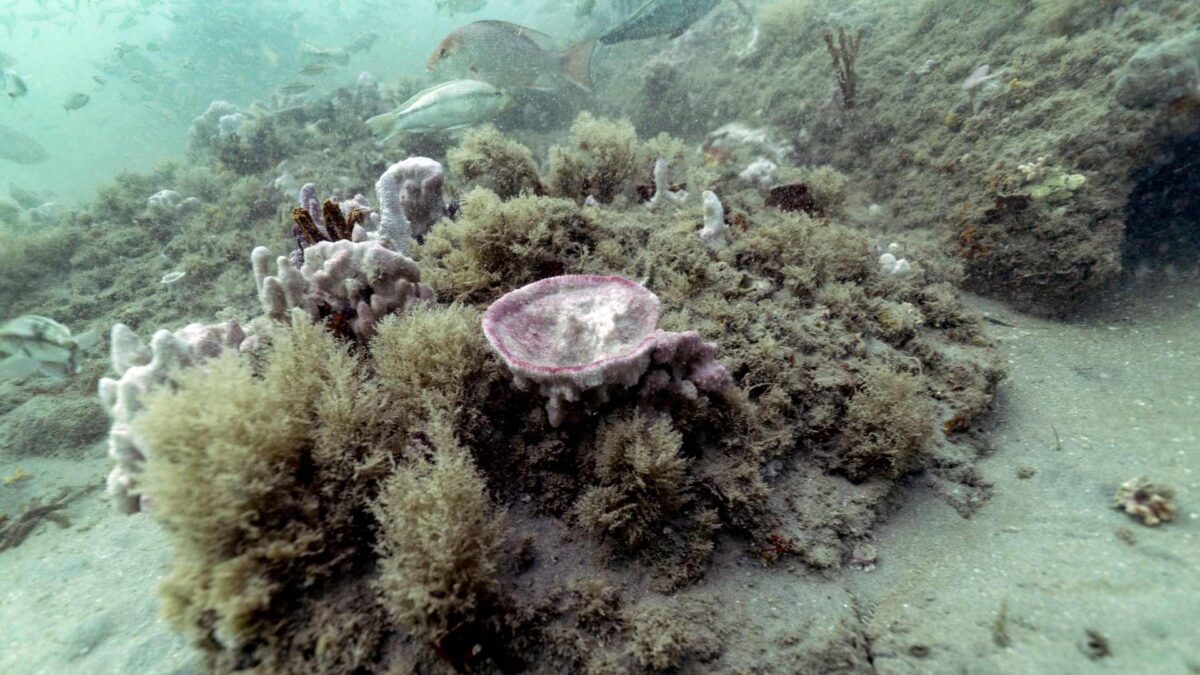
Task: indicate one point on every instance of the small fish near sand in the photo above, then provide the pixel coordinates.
(313, 69)
(512, 57)
(18, 148)
(655, 18)
(450, 105)
(33, 345)
(76, 101)
(292, 88)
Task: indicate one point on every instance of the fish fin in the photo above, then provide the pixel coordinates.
(536, 37)
(577, 64)
(18, 367)
(383, 126)
(86, 339)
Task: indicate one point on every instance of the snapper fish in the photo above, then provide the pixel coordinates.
(450, 105)
(662, 17)
(512, 57)
(35, 345)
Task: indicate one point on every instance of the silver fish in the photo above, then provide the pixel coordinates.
(76, 101)
(295, 88)
(362, 43)
(450, 105)
(13, 85)
(336, 54)
(659, 17)
(19, 148)
(37, 345)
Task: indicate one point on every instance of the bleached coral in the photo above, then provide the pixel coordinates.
(410, 199)
(142, 369)
(349, 284)
(890, 263)
(760, 173)
(207, 126)
(662, 187)
(170, 200)
(1142, 499)
(715, 233)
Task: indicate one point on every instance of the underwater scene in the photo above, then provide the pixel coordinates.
(599, 336)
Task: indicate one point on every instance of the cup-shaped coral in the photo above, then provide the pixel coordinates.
(577, 333)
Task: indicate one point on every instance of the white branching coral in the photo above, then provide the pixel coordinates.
(349, 284)
(141, 369)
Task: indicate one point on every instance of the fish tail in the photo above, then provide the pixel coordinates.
(383, 126)
(577, 64)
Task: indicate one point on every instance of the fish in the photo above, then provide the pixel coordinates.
(512, 57)
(18, 148)
(75, 101)
(659, 17)
(295, 87)
(336, 54)
(456, 104)
(24, 198)
(35, 344)
(460, 6)
(314, 69)
(362, 43)
(13, 85)
(99, 80)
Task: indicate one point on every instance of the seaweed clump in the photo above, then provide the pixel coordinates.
(486, 158)
(440, 550)
(601, 162)
(253, 477)
(496, 245)
(643, 481)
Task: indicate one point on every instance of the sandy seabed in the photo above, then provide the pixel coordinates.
(1042, 578)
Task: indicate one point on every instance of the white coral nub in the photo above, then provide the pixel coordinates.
(410, 199)
(662, 187)
(715, 233)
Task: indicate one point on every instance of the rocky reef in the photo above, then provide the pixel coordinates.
(578, 399)
(951, 100)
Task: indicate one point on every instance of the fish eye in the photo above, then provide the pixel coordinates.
(442, 53)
